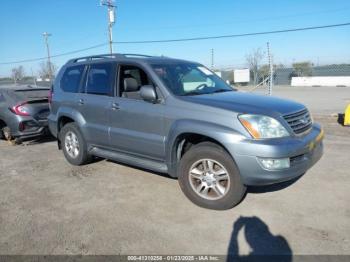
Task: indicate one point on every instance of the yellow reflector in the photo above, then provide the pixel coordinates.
(347, 116)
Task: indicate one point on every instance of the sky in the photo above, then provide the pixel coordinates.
(78, 24)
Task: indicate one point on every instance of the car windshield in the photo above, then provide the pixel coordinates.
(185, 79)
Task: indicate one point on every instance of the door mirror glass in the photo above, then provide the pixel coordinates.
(148, 93)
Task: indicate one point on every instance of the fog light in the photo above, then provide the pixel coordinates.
(273, 164)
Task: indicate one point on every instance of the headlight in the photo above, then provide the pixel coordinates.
(263, 126)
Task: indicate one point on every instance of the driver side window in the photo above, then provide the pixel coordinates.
(131, 79)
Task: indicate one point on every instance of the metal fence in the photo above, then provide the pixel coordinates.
(299, 74)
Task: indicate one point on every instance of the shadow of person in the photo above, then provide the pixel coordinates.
(264, 246)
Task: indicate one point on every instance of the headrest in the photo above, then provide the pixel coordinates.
(130, 85)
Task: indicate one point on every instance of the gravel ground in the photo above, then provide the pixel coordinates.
(50, 207)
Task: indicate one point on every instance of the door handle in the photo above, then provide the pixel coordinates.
(81, 101)
(115, 106)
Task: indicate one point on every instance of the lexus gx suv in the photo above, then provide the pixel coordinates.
(178, 117)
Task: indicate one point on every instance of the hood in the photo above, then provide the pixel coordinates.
(246, 103)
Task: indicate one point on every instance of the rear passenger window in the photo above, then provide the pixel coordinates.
(99, 80)
(71, 79)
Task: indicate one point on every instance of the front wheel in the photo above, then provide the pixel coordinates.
(209, 177)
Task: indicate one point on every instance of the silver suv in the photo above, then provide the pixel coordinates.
(178, 117)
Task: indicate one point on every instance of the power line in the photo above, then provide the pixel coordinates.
(181, 40)
(58, 55)
(235, 22)
(231, 36)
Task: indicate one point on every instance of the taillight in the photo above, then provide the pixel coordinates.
(20, 109)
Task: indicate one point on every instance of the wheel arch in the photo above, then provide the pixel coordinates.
(2, 123)
(185, 134)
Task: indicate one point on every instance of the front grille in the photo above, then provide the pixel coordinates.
(300, 121)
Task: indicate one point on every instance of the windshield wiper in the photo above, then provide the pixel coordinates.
(193, 93)
(221, 90)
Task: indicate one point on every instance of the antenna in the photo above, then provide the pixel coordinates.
(111, 20)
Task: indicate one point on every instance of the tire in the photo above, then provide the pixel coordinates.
(219, 187)
(6, 133)
(73, 145)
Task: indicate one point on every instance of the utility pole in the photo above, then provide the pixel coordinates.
(111, 20)
(46, 36)
(212, 58)
(271, 70)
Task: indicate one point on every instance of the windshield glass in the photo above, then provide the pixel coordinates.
(186, 79)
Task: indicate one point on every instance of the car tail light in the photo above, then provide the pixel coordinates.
(21, 126)
(20, 109)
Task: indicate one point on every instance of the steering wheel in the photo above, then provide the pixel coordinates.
(201, 86)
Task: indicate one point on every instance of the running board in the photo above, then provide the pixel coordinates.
(129, 159)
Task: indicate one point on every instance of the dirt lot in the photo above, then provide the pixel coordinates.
(50, 207)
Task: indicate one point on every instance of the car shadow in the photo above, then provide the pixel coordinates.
(263, 245)
(272, 188)
(38, 140)
(340, 119)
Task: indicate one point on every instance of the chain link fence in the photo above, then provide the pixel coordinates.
(298, 74)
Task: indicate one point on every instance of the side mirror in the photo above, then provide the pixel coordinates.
(148, 93)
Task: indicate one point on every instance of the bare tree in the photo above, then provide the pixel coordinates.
(17, 73)
(253, 60)
(44, 69)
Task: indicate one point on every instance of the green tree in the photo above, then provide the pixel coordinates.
(302, 69)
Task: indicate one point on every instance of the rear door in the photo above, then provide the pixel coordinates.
(95, 100)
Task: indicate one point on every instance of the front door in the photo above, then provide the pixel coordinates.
(136, 126)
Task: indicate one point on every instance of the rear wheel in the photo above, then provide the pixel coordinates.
(73, 145)
(6, 132)
(209, 177)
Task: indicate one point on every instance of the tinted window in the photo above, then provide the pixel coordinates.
(31, 94)
(99, 79)
(71, 79)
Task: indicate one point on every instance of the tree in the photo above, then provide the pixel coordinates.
(253, 60)
(302, 69)
(17, 73)
(264, 70)
(44, 69)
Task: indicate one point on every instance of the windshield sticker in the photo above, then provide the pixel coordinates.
(205, 71)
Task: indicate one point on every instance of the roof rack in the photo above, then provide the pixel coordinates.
(104, 56)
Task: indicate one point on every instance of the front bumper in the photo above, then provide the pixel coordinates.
(303, 152)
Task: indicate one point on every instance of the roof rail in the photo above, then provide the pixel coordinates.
(137, 55)
(103, 56)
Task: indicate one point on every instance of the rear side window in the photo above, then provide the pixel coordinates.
(31, 94)
(71, 79)
(99, 79)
